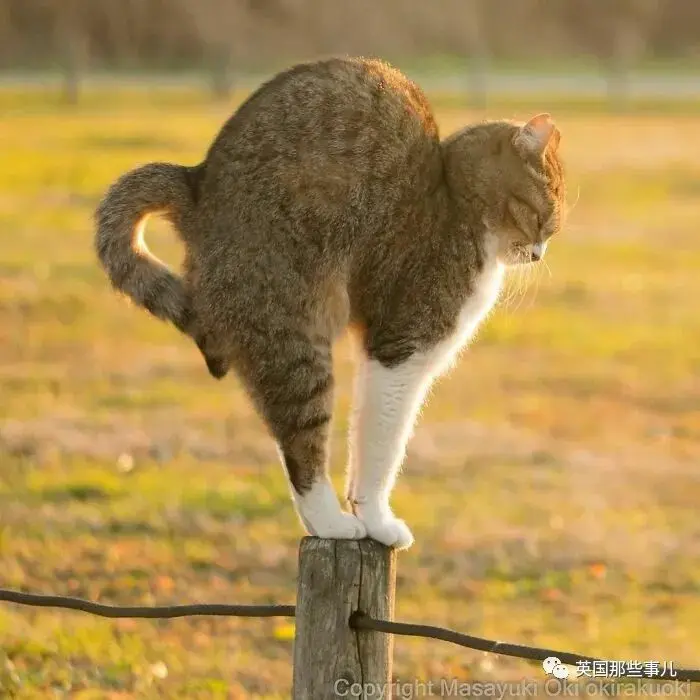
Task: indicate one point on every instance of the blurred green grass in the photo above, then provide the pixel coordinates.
(551, 484)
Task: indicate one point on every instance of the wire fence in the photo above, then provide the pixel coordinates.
(358, 620)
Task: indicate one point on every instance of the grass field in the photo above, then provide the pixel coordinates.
(552, 483)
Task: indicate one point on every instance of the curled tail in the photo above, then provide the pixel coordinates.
(161, 188)
(156, 188)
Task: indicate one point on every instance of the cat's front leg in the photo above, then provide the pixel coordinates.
(388, 397)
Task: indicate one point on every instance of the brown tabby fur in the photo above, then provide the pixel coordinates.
(326, 200)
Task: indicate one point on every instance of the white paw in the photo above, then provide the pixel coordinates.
(344, 526)
(388, 530)
(322, 515)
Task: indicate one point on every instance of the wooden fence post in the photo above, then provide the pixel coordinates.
(336, 578)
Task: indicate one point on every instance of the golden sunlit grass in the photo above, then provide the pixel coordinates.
(552, 483)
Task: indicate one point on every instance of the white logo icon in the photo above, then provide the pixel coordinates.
(553, 667)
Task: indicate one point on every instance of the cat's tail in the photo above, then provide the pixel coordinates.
(161, 188)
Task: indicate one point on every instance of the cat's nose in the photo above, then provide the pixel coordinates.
(537, 251)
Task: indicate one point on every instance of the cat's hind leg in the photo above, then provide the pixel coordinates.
(291, 381)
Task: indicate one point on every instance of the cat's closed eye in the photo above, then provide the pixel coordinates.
(523, 216)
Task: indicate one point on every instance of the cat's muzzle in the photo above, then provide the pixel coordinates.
(537, 251)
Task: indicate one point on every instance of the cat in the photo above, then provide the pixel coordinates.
(328, 201)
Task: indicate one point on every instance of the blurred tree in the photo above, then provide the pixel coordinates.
(631, 28)
(478, 50)
(232, 32)
(73, 47)
(677, 29)
(617, 32)
(219, 27)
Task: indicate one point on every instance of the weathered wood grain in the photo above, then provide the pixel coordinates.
(336, 578)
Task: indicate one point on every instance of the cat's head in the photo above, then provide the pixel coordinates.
(518, 177)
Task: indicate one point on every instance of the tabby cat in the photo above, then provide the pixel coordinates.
(327, 202)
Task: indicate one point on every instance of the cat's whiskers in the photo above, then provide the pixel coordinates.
(538, 277)
(525, 278)
(514, 278)
(569, 209)
(518, 281)
(511, 291)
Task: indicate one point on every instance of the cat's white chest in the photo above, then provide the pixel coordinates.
(485, 293)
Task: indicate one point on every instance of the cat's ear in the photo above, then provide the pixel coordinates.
(539, 133)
